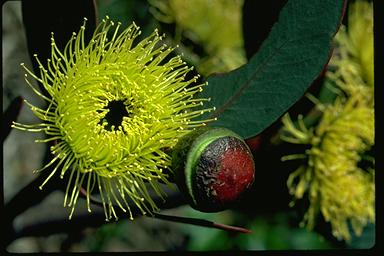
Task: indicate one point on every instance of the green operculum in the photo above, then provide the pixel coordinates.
(113, 107)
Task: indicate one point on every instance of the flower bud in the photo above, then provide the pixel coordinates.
(213, 167)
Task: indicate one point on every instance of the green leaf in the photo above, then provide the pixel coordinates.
(251, 98)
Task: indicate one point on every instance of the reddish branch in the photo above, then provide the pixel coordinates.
(185, 220)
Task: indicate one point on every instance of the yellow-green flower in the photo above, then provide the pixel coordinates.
(331, 176)
(114, 108)
(356, 41)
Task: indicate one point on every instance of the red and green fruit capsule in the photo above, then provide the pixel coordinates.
(213, 167)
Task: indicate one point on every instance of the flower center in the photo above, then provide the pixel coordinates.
(117, 111)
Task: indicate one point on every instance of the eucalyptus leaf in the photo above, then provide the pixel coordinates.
(251, 98)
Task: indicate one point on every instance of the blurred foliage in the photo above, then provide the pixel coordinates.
(202, 22)
(273, 232)
(127, 12)
(366, 239)
(138, 235)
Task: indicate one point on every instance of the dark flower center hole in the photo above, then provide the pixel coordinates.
(117, 110)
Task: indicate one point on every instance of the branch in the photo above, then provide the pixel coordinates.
(81, 221)
(201, 223)
(18, 204)
(27, 197)
(10, 115)
(185, 220)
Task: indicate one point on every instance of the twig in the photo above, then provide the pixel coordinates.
(10, 115)
(80, 221)
(200, 222)
(186, 220)
(18, 204)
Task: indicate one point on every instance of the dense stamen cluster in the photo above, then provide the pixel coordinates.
(118, 160)
(337, 175)
(332, 179)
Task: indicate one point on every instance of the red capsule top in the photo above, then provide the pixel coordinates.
(222, 170)
(235, 174)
